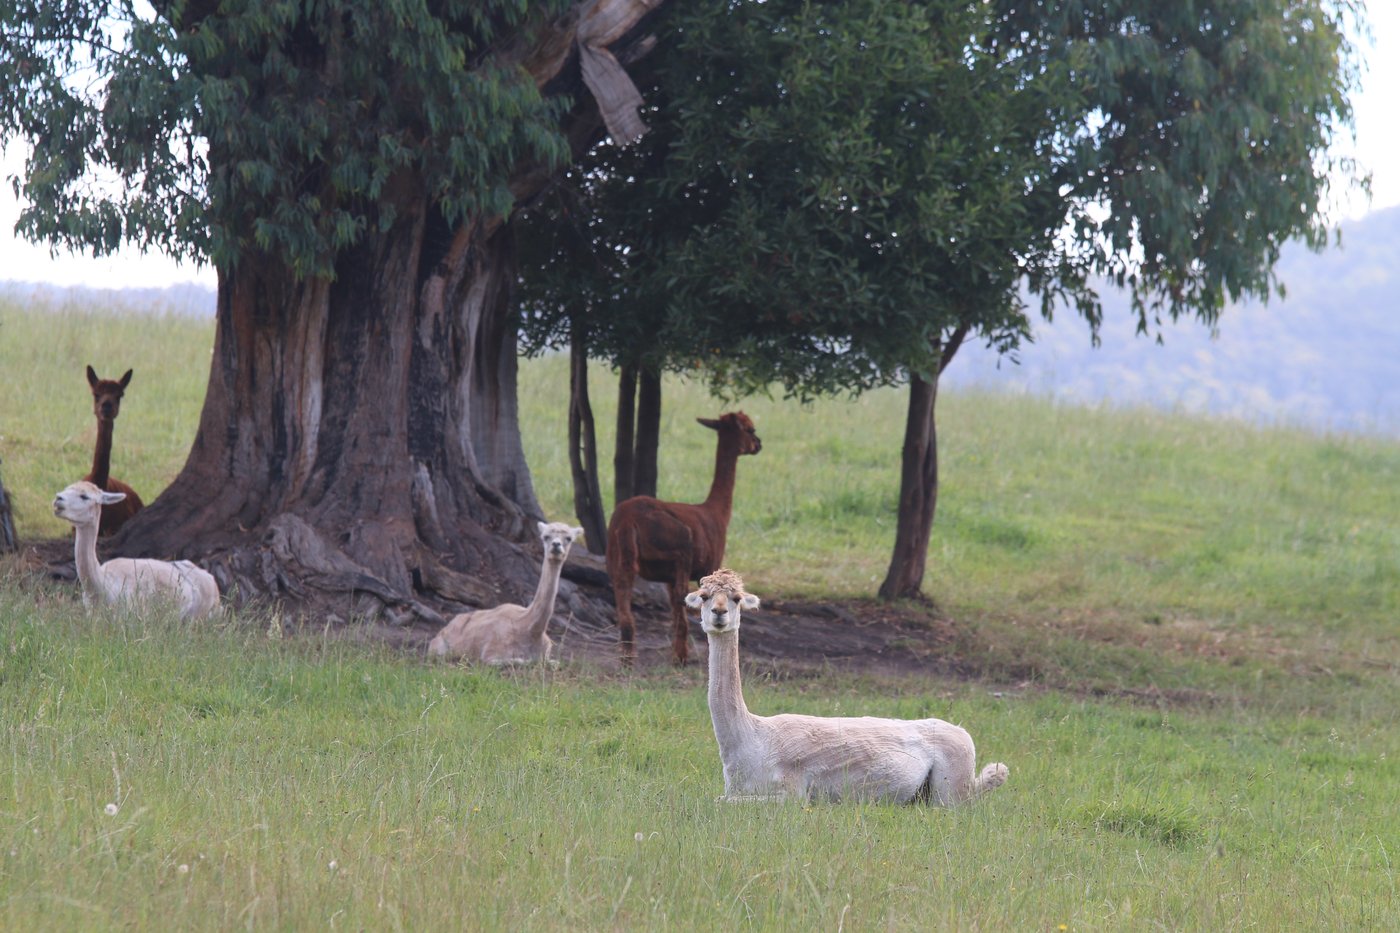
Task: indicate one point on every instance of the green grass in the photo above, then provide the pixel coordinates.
(1183, 632)
(308, 783)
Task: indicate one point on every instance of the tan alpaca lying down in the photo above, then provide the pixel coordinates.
(124, 580)
(833, 758)
(511, 634)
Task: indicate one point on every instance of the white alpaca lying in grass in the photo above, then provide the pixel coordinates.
(124, 580)
(834, 758)
(511, 634)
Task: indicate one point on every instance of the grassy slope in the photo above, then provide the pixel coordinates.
(1080, 549)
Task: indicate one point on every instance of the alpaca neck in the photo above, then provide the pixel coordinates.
(102, 454)
(721, 497)
(85, 558)
(732, 720)
(542, 606)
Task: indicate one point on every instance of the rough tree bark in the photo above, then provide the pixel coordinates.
(918, 482)
(583, 447)
(359, 449)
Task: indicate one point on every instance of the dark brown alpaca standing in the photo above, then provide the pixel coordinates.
(674, 543)
(106, 403)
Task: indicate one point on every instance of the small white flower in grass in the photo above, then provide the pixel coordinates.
(639, 837)
(333, 865)
(110, 809)
(183, 869)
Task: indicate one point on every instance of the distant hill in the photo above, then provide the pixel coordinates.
(1325, 357)
(185, 298)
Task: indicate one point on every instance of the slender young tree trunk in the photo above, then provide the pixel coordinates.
(638, 432)
(918, 482)
(918, 494)
(583, 447)
(648, 437)
(624, 447)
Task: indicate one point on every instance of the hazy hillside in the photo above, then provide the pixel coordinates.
(1325, 357)
(185, 298)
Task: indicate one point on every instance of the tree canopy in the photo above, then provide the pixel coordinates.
(830, 187)
(278, 126)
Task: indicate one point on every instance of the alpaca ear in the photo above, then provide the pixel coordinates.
(710, 423)
(541, 526)
(748, 601)
(694, 600)
(92, 376)
(576, 533)
(110, 497)
(125, 380)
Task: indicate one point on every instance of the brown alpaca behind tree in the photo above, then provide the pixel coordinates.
(106, 403)
(675, 543)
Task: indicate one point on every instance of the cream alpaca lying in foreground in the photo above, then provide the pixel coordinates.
(126, 580)
(834, 758)
(511, 634)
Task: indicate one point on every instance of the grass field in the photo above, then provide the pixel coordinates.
(1245, 581)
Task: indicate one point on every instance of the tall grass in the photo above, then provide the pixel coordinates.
(256, 782)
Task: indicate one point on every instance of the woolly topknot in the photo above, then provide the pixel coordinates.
(723, 580)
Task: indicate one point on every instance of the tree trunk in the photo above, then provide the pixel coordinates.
(638, 432)
(918, 494)
(8, 541)
(360, 436)
(583, 448)
(359, 453)
(918, 482)
(624, 438)
(648, 439)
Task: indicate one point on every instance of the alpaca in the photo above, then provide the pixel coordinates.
(125, 580)
(511, 634)
(835, 758)
(672, 542)
(106, 403)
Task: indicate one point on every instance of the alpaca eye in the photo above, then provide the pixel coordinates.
(84, 497)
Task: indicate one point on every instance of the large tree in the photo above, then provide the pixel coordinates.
(347, 167)
(837, 196)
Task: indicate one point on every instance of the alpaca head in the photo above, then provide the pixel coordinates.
(736, 425)
(556, 537)
(721, 599)
(107, 394)
(81, 503)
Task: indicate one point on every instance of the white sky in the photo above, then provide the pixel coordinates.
(1377, 148)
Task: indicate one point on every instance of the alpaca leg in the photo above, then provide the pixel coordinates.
(626, 622)
(992, 777)
(680, 626)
